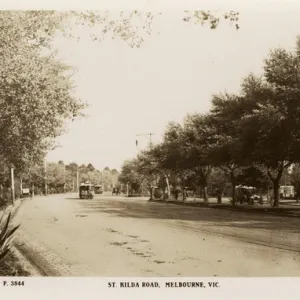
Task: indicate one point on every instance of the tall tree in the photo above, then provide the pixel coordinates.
(129, 174)
(91, 168)
(273, 127)
(199, 135)
(160, 164)
(226, 148)
(176, 153)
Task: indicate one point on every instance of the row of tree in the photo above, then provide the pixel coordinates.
(58, 178)
(37, 93)
(252, 136)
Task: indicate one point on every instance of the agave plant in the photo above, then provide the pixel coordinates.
(6, 235)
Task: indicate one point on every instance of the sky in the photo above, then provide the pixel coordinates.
(175, 72)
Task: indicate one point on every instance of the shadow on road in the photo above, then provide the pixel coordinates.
(211, 217)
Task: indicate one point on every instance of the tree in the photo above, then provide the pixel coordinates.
(114, 171)
(55, 175)
(90, 167)
(273, 127)
(175, 153)
(213, 19)
(199, 135)
(129, 174)
(39, 27)
(253, 176)
(218, 180)
(35, 91)
(145, 167)
(160, 165)
(295, 180)
(225, 147)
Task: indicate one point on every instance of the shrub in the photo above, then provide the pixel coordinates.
(6, 235)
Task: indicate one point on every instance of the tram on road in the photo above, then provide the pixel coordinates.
(98, 189)
(86, 191)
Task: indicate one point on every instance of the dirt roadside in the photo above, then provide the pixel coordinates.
(65, 236)
(15, 263)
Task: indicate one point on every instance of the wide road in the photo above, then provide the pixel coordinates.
(116, 236)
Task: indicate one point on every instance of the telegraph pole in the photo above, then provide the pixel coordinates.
(150, 138)
(77, 175)
(46, 187)
(65, 179)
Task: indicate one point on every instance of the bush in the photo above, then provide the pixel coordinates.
(6, 235)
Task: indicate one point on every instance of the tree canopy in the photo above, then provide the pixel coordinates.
(252, 136)
(37, 92)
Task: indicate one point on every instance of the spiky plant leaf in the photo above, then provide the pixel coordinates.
(7, 243)
(2, 217)
(3, 254)
(8, 234)
(4, 230)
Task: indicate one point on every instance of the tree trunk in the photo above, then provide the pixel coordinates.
(205, 194)
(203, 183)
(276, 183)
(151, 193)
(219, 199)
(183, 190)
(168, 188)
(219, 196)
(233, 184)
(276, 188)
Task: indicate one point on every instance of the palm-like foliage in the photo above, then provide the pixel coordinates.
(6, 235)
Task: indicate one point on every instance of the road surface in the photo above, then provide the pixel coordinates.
(116, 236)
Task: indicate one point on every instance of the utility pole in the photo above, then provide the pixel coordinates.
(46, 187)
(102, 180)
(65, 179)
(32, 185)
(21, 186)
(77, 175)
(150, 138)
(12, 186)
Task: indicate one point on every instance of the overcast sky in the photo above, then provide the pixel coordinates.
(133, 91)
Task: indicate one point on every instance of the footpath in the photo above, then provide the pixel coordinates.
(286, 208)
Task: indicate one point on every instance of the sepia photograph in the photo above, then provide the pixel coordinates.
(150, 143)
